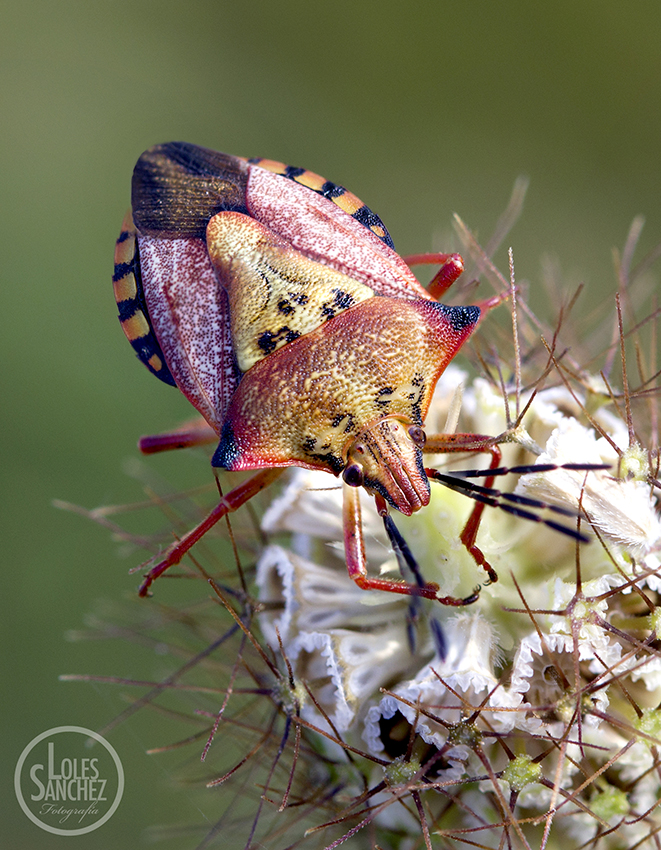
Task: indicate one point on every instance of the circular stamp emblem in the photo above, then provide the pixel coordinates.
(69, 780)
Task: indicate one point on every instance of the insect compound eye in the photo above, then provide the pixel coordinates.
(353, 475)
(418, 436)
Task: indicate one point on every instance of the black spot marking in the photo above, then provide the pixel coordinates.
(127, 309)
(370, 220)
(343, 300)
(328, 459)
(285, 307)
(384, 391)
(339, 418)
(293, 172)
(460, 317)
(122, 269)
(333, 462)
(331, 190)
(269, 341)
(123, 236)
(299, 298)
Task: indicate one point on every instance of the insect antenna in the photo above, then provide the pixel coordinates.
(514, 503)
(407, 563)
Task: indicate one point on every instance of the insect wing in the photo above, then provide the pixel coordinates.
(176, 189)
(324, 231)
(189, 312)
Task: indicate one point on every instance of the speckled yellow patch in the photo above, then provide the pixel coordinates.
(307, 403)
(276, 294)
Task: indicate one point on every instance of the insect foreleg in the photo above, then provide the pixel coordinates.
(229, 503)
(354, 548)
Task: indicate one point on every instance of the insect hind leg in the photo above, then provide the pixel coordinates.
(195, 433)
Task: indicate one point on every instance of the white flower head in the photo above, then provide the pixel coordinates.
(536, 661)
(332, 631)
(543, 673)
(449, 689)
(621, 509)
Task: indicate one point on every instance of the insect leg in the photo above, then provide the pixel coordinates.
(195, 433)
(448, 443)
(451, 266)
(354, 548)
(231, 502)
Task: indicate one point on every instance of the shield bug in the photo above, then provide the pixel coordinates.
(275, 301)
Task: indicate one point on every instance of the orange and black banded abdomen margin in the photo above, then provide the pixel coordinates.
(340, 196)
(133, 315)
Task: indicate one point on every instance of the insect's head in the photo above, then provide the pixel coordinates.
(386, 458)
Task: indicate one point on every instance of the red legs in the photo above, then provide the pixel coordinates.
(195, 433)
(448, 443)
(198, 433)
(354, 549)
(451, 266)
(229, 503)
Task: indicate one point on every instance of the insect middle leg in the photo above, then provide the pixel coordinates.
(450, 443)
(451, 266)
(197, 432)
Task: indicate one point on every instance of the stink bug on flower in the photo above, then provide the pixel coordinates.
(275, 301)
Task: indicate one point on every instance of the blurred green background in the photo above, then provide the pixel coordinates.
(421, 109)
